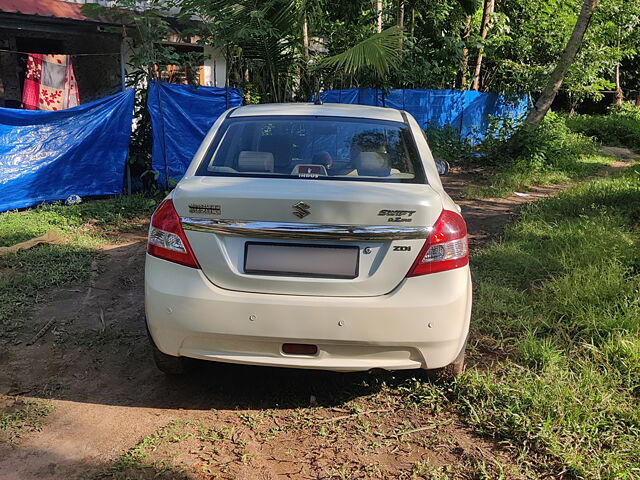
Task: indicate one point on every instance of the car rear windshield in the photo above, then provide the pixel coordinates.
(315, 147)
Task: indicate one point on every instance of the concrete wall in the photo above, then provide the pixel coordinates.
(215, 67)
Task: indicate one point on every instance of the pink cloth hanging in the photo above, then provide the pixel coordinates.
(50, 83)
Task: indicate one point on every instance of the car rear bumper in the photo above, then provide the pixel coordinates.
(423, 323)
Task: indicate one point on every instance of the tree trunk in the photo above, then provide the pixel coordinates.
(619, 97)
(413, 19)
(379, 16)
(565, 61)
(305, 38)
(489, 6)
(227, 66)
(305, 80)
(401, 20)
(464, 68)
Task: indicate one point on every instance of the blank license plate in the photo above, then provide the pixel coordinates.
(289, 259)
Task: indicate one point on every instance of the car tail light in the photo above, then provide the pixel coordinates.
(446, 248)
(167, 239)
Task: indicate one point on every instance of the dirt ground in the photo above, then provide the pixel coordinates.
(113, 415)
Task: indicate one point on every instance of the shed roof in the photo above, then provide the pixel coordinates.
(45, 8)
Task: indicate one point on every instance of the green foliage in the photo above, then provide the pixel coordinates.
(525, 43)
(283, 50)
(432, 48)
(379, 52)
(516, 159)
(261, 42)
(551, 145)
(445, 143)
(620, 127)
(550, 154)
(435, 46)
(560, 293)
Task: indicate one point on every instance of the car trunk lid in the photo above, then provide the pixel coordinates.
(305, 237)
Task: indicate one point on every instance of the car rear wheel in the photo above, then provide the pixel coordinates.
(168, 364)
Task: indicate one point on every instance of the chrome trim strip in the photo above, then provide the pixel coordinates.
(304, 230)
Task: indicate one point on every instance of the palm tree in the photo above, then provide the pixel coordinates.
(261, 39)
(379, 52)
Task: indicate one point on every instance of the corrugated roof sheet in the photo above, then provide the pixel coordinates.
(44, 8)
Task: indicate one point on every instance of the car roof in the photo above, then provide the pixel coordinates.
(324, 110)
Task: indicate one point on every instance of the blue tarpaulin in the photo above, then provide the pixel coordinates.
(47, 156)
(181, 115)
(467, 111)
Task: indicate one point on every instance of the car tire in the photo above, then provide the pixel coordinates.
(449, 372)
(168, 364)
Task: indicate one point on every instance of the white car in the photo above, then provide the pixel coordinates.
(310, 236)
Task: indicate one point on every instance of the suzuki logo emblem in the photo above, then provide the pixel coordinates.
(301, 209)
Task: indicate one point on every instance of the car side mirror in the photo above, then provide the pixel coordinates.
(442, 166)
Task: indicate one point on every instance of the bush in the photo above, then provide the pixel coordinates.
(550, 154)
(517, 159)
(551, 145)
(620, 127)
(445, 143)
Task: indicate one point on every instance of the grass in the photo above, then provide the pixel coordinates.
(22, 416)
(521, 178)
(378, 443)
(135, 462)
(560, 295)
(156, 455)
(27, 273)
(620, 127)
(551, 154)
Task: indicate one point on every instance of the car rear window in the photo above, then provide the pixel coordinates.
(315, 147)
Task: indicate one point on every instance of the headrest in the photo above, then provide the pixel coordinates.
(255, 161)
(322, 158)
(373, 164)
